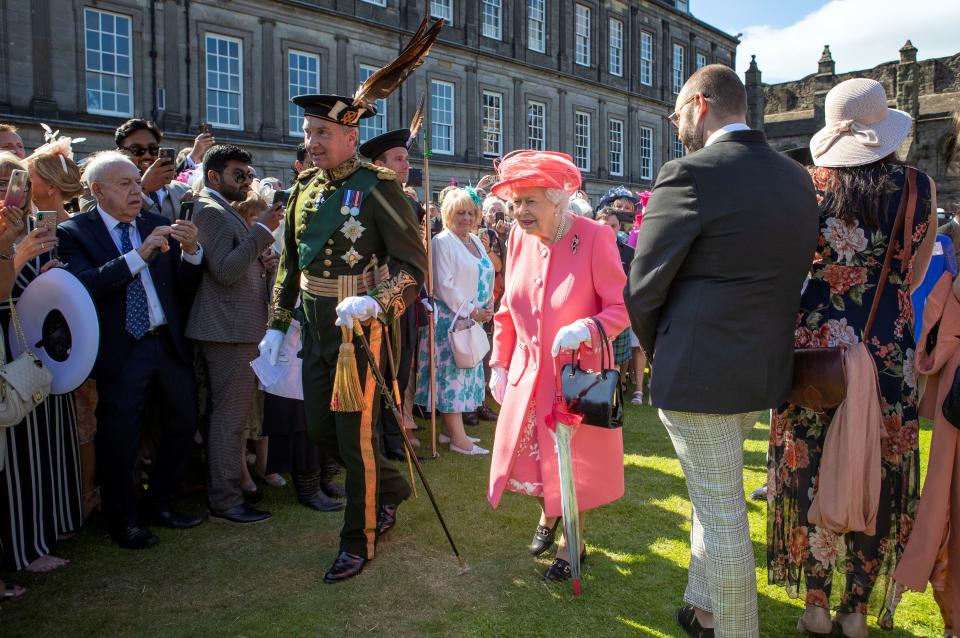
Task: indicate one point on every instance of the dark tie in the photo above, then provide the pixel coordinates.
(138, 315)
(156, 200)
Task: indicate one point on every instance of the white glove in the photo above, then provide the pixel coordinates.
(498, 384)
(571, 337)
(426, 305)
(270, 345)
(356, 309)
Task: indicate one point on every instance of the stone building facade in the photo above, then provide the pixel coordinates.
(593, 78)
(929, 90)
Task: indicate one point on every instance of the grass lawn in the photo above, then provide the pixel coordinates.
(266, 580)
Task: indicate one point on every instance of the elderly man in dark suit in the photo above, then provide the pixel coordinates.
(227, 320)
(728, 236)
(142, 273)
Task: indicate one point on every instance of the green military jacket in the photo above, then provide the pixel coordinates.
(341, 222)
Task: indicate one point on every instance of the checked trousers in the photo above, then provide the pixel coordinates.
(722, 577)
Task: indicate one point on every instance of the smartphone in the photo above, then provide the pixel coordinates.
(47, 219)
(168, 153)
(17, 189)
(186, 211)
(499, 216)
(205, 128)
(415, 178)
(281, 197)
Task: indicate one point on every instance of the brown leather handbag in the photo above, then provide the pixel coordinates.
(819, 378)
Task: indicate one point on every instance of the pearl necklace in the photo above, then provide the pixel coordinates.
(562, 227)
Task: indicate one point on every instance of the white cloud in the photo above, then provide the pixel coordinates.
(861, 34)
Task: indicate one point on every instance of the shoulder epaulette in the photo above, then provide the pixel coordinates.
(382, 171)
(306, 176)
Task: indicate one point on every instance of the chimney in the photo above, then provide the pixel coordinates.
(755, 96)
(908, 81)
(823, 81)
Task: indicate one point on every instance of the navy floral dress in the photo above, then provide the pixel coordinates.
(834, 310)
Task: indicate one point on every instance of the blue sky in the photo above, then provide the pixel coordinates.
(787, 36)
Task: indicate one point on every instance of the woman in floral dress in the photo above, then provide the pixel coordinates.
(859, 187)
(463, 282)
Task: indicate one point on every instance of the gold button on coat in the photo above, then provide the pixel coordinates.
(326, 273)
(327, 262)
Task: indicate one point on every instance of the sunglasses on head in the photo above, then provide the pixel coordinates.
(139, 151)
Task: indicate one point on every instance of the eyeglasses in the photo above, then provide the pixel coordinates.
(674, 118)
(241, 176)
(139, 151)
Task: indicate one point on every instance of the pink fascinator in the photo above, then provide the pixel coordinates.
(536, 169)
(56, 145)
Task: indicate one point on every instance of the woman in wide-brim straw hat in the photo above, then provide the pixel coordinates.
(859, 186)
(563, 273)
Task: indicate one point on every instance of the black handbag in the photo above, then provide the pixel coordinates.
(596, 396)
(951, 405)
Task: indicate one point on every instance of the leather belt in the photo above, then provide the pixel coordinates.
(335, 286)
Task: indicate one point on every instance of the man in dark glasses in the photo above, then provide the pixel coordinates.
(140, 140)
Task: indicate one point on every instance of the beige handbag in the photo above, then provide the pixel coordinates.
(469, 344)
(24, 382)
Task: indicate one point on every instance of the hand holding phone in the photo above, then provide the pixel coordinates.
(186, 211)
(281, 198)
(168, 153)
(17, 189)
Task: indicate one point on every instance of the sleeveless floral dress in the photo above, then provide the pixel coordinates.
(834, 310)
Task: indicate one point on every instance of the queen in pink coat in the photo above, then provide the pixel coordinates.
(561, 270)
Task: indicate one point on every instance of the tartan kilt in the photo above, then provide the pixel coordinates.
(621, 348)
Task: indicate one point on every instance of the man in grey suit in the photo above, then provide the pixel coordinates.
(728, 236)
(227, 320)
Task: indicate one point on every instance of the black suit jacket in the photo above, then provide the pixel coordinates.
(90, 253)
(727, 239)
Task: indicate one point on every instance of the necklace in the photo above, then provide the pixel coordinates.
(562, 227)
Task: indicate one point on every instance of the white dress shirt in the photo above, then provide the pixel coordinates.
(136, 264)
(723, 130)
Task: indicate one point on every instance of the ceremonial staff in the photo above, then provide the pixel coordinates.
(411, 454)
(431, 326)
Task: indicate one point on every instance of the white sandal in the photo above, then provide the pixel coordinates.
(476, 450)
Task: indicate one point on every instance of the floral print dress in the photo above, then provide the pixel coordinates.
(834, 309)
(458, 389)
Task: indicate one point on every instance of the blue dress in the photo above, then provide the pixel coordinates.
(458, 389)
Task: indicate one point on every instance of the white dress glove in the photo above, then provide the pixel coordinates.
(270, 345)
(498, 384)
(356, 309)
(571, 337)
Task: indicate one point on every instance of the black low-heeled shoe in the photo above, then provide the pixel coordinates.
(543, 538)
(687, 618)
(559, 570)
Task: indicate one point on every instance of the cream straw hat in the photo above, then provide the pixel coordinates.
(860, 128)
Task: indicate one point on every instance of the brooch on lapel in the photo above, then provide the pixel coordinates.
(575, 244)
(351, 203)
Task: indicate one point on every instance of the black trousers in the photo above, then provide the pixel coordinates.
(151, 363)
(351, 437)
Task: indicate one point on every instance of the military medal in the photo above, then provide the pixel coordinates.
(351, 203)
(352, 257)
(352, 229)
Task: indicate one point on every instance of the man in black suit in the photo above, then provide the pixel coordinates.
(728, 237)
(142, 273)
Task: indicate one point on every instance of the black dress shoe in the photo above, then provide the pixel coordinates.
(346, 566)
(327, 484)
(171, 519)
(486, 413)
(394, 452)
(322, 503)
(134, 537)
(386, 519)
(687, 618)
(560, 570)
(471, 418)
(543, 538)
(241, 513)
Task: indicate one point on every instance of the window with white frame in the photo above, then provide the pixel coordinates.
(492, 19)
(581, 140)
(582, 35)
(303, 77)
(646, 58)
(678, 56)
(442, 9)
(701, 61)
(491, 114)
(536, 25)
(616, 47)
(379, 3)
(224, 85)
(109, 58)
(441, 117)
(677, 151)
(370, 127)
(683, 5)
(536, 125)
(646, 152)
(615, 150)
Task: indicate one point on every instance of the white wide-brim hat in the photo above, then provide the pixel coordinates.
(860, 127)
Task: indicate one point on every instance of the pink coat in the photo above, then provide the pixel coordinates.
(548, 287)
